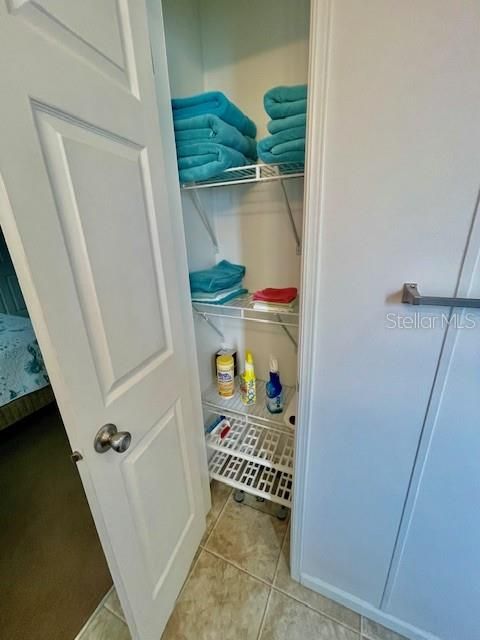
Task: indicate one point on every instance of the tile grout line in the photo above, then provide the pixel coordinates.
(96, 611)
(202, 547)
(189, 575)
(321, 613)
(250, 575)
(305, 604)
(233, 564)
(117, 615)
(277, 564)
(216, 521)
(264, 616)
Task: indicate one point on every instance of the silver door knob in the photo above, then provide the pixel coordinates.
(109, 437)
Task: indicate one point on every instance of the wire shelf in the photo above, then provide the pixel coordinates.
(251, 173)
(264, 445)
(257, 413)
(241, 308)
(253, 477)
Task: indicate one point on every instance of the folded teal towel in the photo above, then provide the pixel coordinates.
(216, 103)
(222, 276)
(203, 160)
(289, 135)
(214, 296)
(210, 128)
(275, 126)
(281, 102)
(221, 298)
(290, 151)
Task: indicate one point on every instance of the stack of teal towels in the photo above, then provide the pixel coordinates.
(218, 284)
(211, 135)
(287, 108)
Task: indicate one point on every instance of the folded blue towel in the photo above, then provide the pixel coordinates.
(210, 128)
(288, 135)
(216, 103)
(214, 296)
(203, 160)
(288, 151)
(222, 276)
(275, 126)
(281, 102)
(221, 298)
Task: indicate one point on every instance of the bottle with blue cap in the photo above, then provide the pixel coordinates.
(274, 390)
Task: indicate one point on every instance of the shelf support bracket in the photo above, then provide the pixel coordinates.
(208, 321)
(203, 216)
(291, 219)
(287, 332)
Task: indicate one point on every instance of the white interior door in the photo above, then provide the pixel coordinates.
(84, 207)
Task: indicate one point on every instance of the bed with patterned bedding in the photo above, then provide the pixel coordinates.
(24, 383)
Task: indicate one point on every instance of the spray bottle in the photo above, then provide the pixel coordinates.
(248, 392)
(274, 392)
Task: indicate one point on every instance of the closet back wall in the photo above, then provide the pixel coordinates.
(245, 48)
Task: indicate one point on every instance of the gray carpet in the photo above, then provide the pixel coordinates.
(53, 572)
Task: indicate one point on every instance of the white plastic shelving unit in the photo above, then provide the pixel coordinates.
(252, 477)
(257, 454)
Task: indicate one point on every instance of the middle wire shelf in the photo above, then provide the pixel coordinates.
(241, 308)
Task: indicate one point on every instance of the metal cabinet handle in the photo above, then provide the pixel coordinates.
(411, 295)
(109, 437)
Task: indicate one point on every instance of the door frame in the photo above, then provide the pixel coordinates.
(318, 69)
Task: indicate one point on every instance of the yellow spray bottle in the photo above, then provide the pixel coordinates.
(248, 382)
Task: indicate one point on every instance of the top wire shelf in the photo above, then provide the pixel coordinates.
(251, 173)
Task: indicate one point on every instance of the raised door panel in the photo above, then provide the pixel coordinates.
(102, 188)
(97, 32)
(163, 517)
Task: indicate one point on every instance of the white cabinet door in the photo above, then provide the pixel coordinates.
(434, 578)
(85, 211)
(398, 165)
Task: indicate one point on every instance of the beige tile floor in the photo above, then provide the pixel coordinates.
(239, 587)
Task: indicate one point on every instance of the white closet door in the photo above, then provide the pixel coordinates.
(398, 161)
(434, 579)
(85, 210)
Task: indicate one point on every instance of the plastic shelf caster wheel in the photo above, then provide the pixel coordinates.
(282, 513)
(259, 499)
(239, 495)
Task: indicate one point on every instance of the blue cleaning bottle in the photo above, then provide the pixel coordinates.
(274, 392)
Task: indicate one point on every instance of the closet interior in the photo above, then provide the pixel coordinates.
(250, 216)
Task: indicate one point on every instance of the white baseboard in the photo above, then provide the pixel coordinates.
(365, 609)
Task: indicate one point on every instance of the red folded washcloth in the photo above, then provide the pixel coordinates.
(280, 296)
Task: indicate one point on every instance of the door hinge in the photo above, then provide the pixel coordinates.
(76, 456)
